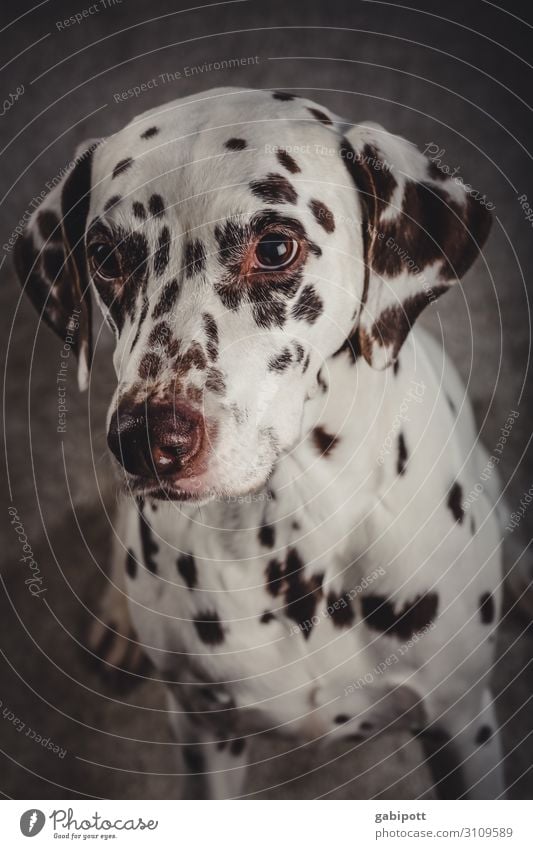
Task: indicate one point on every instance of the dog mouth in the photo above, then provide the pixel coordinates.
(169, 490)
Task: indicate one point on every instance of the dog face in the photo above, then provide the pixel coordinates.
(235, 241)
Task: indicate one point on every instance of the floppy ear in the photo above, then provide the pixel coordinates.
(422, 231)
(50, 259)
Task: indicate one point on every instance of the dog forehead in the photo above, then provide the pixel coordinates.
(218, 139)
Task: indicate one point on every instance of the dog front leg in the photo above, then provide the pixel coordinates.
(213, 765)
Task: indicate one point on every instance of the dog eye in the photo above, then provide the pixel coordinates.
(104, 261)
(275, 251)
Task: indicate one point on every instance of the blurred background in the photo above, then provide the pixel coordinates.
(455, 79)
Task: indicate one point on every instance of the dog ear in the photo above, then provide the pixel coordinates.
(50, 259)
(422, 230)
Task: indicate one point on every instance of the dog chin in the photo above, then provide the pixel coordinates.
(195, 492)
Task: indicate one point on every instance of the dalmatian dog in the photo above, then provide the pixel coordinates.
(295, 545)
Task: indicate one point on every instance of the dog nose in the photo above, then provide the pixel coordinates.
(158, 439)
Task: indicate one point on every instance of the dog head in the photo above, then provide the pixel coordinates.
(234, 241)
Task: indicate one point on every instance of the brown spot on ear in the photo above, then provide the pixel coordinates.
(235, 144)
(274, 188)
(49, 226)
(320, 116)
(287, 161)
(122, 166)
(324, 441)
(53, 263)
(455, 497)
(323, 215)
(309, 305)
(486, 608)
(378, 612)
(395, 322)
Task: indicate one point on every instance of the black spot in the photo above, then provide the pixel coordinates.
(274, 188)
(161, 336)
(267, 535)
(340, 610)
(396, 366)
(486, 608)
(472, 525)
(53, 262)
(150, 366)
(150, 132)
(379, 614)
(162, 253)
(402, 454)
(139, 211)
(267, 617)
(282, 95)
(149, 545)
(215, 381)
(281, 361)
(288, 162)
(483, 735)
(194, 759)
(235, 144)
(131, 564)
(267, 293)
(320, 116)
(167, 298)
(211, 331)
(455, 498)
(194, 258)
(208, 628)
(274, 576)
(323, 215)
(366, 726)
(352, 345)
(156, 206)
(187, 568)
(122, 166)
(109, 204)
(49, 226)
(341, 719)
(309, 305)
(142, 318)
(324, 441)
(237, 746)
